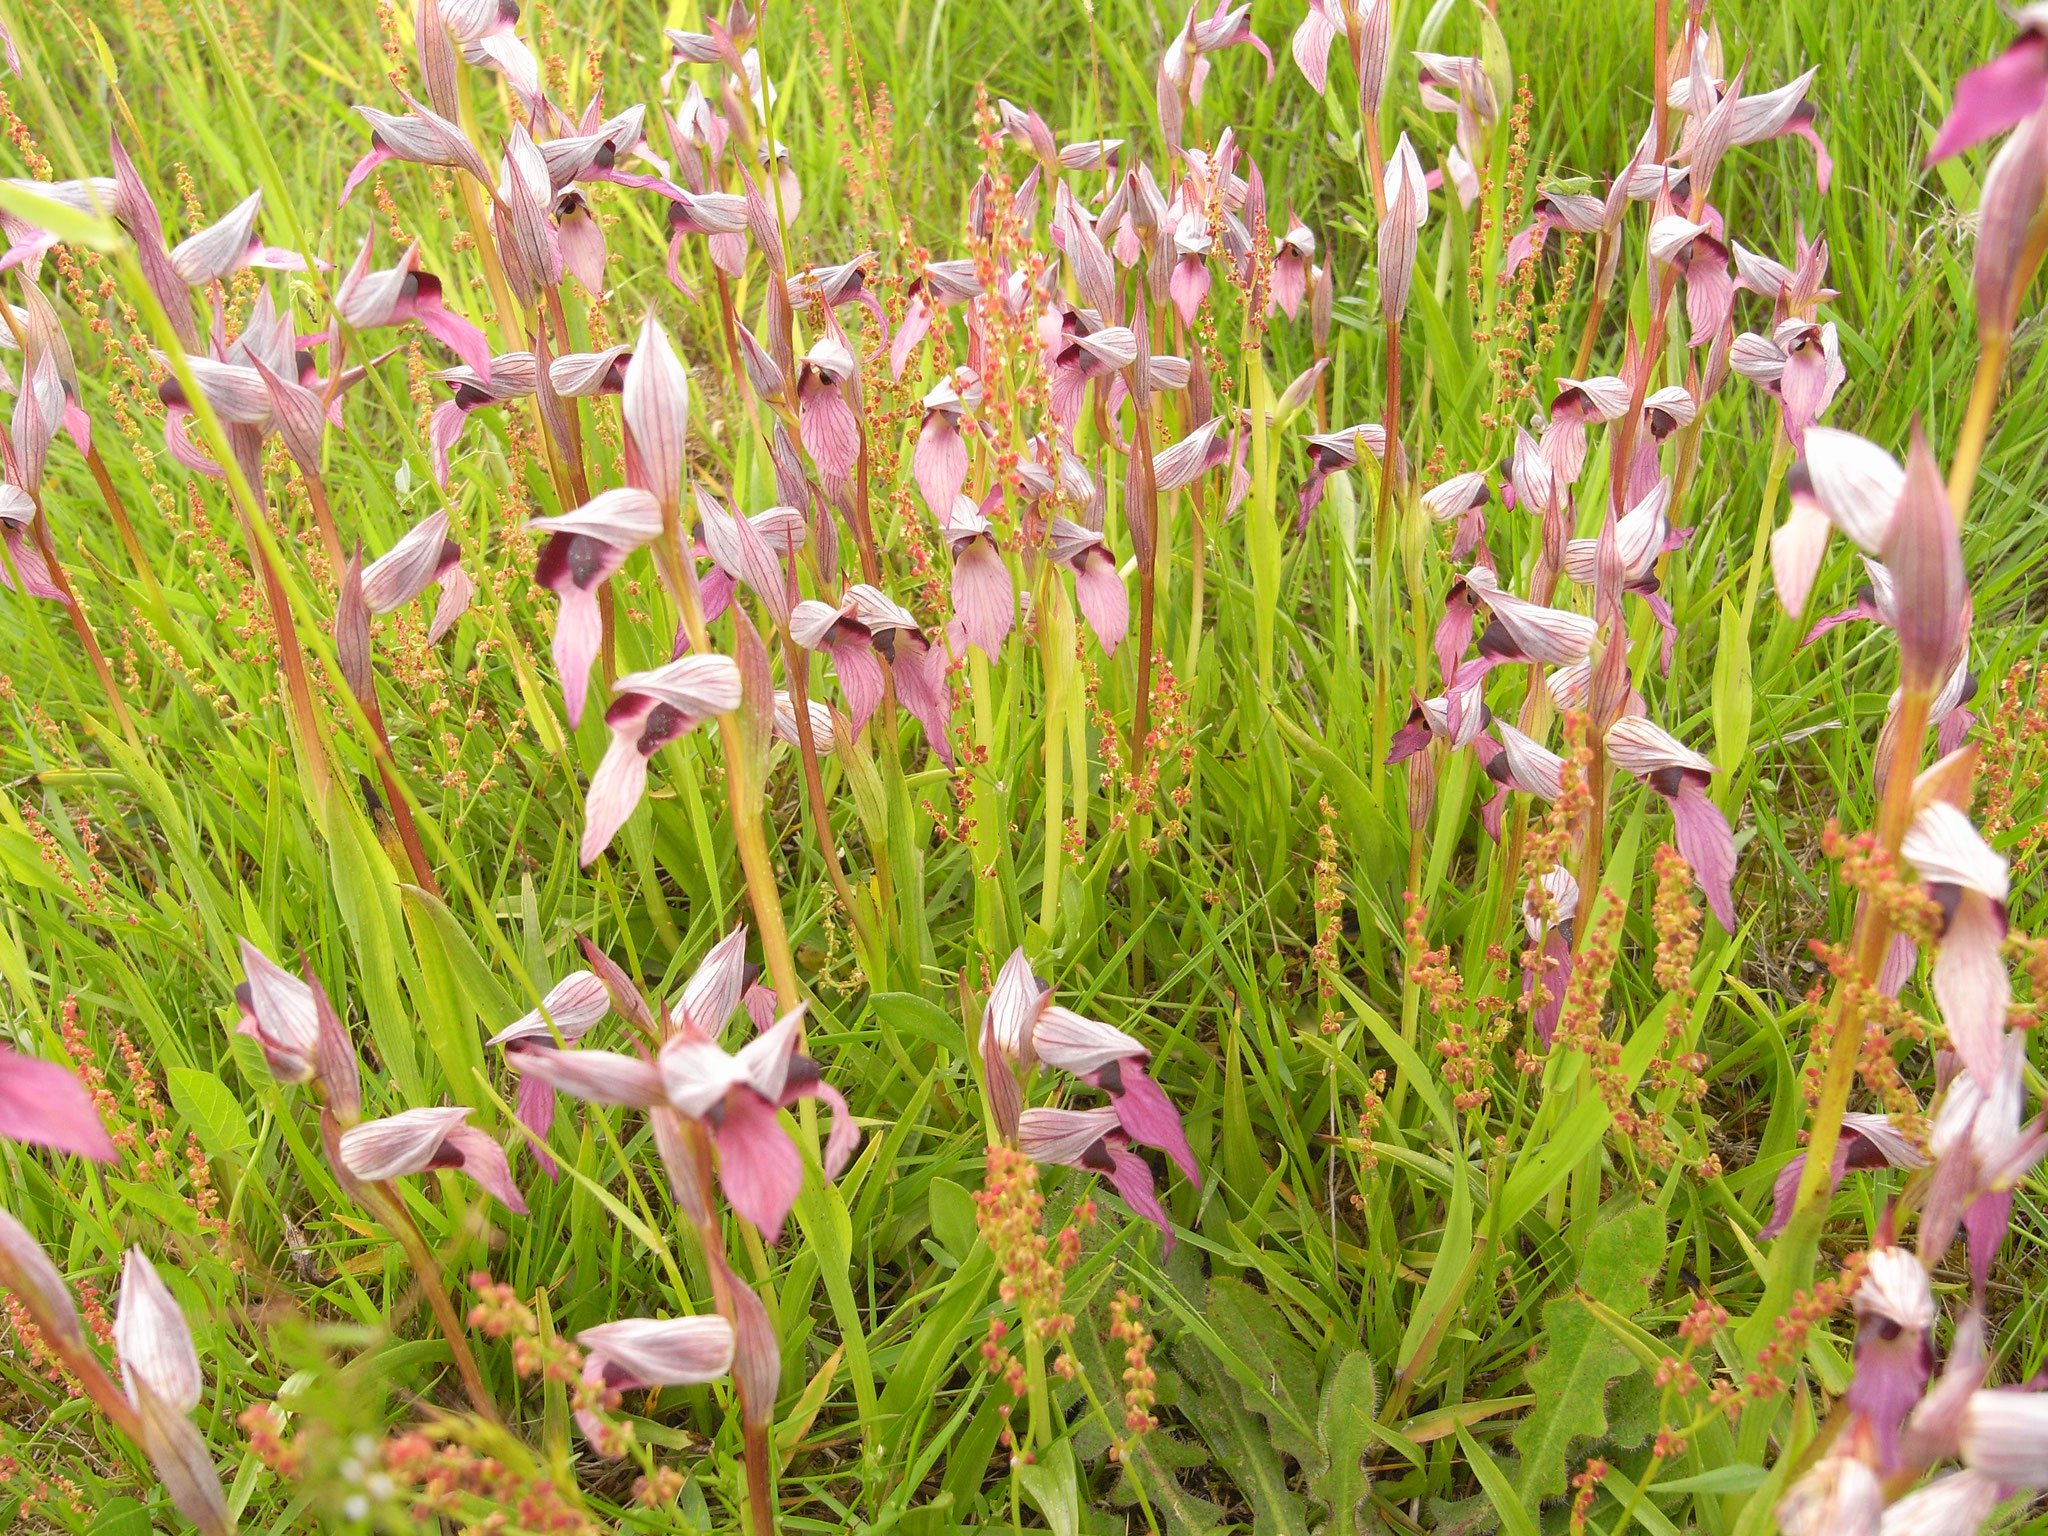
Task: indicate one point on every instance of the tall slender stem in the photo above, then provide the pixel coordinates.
(389, 1206)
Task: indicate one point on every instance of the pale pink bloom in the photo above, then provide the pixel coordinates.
(1993, 97)
(1551, 937)
(1840, 1496)
(1981, 1151)
(1840, 481)
(1098, 587)
(421, 137)
(417, 1140)
(1955, 1505)
(46, 1295)
(1294, 254)
(513, 376)
(826, 421)
(984, 592)
(424, 557)
(221, 249)
(656, 404)
(653, 708)
(368, 300)
(736, 1097)
(939, 464)
(2005, 1438)
(864, 624)
(1023, 1026)
(1969, 882)
(1407, 200)
(1577, 403)
(1866, 1141)
(572, 1008)
(1638, 746)
(2008, 208)
(588, 547)
(1894, 1353)
(636, 1353)
(1094, 1139)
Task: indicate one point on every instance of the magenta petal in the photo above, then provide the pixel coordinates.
(1708, 846)
(1557, 946)
(1149, 1118)
(1994, 96)
(1785, 1188)
(917, 319)
(1899, 961)
(759, 1167)
(44, 1105)
(1948, 736)
(939, 465)
(1103, 599)
(1188, 286)
(476, 1154)
(859, 673)
(920, 673)
(1985, 1220)
(984, 597)
(535, 1109)
(1823, 162)
(462, 338)
(828, 429)
(363, 167)
(1132, 1178)
(578, 630)
(1891, 1375)
(1709, 296)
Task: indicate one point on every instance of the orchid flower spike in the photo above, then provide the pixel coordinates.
(736, 1097)
(1022, 1027)
(417, 1140)
(370, 300)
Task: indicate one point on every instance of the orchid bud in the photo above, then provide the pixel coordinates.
(1407, 200)
(160, 1370)
(657, 410)
(278, 1012)
(2015, 188)
(1926, 561)
(436, 59)
(1371, 46)
(40, 1287)
(1841, 1496)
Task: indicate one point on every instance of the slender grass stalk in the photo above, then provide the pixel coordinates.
(389, 1205)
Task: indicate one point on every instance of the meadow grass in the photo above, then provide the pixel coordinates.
(1428, 1320)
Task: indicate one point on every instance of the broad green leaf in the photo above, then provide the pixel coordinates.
(1261, 1340)
(1350, 1403)
(1514, 1519)
(1582, 1357)
(1049, 1482)
(1735, 1479)
(211, 1110)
